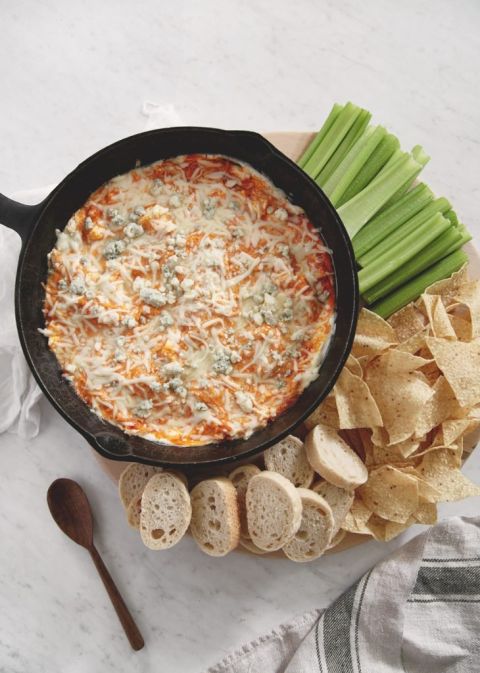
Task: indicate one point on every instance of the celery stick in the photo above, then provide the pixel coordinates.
(419, 154)
(388, 220)
(452, 216)
(376, 161)
(353, 161)
(465, 236)
(432, 253)
(440, 205)
(356, 131)
(422, 158)
(335, 111)
(356, 212)
(332, 140)
(407, 248)
(412, 290)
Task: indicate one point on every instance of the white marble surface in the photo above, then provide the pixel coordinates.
(74, 76)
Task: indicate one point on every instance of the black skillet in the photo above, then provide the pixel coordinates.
(36, 226)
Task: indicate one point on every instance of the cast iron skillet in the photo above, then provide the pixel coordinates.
(36, 226)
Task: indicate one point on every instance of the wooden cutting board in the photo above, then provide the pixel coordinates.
(293, 143)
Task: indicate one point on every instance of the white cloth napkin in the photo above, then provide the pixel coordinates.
(416, 612)
(19, 393)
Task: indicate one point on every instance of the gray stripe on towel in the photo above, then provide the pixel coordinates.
(336, 633)
(442, 580)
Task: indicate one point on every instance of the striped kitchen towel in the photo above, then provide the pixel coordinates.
(416, 612)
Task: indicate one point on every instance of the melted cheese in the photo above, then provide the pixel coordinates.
(189, 301)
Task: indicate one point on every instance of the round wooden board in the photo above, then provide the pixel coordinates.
(293, 143)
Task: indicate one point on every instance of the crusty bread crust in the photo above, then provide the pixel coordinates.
(240, 478)
(247, 544)
(133, 512)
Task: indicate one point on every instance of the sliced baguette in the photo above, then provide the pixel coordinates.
(274, 510)
(288, 458)
(165, 511)
(240, 478)
(134, 511)
(333, 459)
(246, 543)
(215, 519)
(315, 532)
(339, 500)
(133, 480)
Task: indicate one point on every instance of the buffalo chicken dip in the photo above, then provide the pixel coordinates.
(189, 301)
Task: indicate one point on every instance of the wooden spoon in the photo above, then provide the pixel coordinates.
(70, 508)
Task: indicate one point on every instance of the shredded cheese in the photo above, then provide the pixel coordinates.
(189, 301)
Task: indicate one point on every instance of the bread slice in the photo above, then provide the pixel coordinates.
(133, 480)
(274, 510)
(215, 519)
(315, 532)
(339, 500)
(134, 511)
(165, 511)
(288, 457)
(240, 478)
(246, 543)
(333, 459)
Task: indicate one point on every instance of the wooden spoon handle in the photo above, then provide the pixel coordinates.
(126, 619)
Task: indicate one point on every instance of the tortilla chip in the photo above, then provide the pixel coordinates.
(386, 455)
(426, 492)
(355, 405)
(399, 392)
(461, 326)
(356, 519)
(407, 322)
(443, 404)
(438, 317)
(430, 373)
(468, 294)
(390, 493)
(413, 344)
(460, 364)
(426, 513)
(379, 437)
(326, 414)
(354, 366)
(365, 438)
(448, 288)
(452, 430)
(373, 336)
(384, 530)
(408, 446)
(440, 469)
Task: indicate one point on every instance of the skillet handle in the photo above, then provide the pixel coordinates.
(17, 216)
